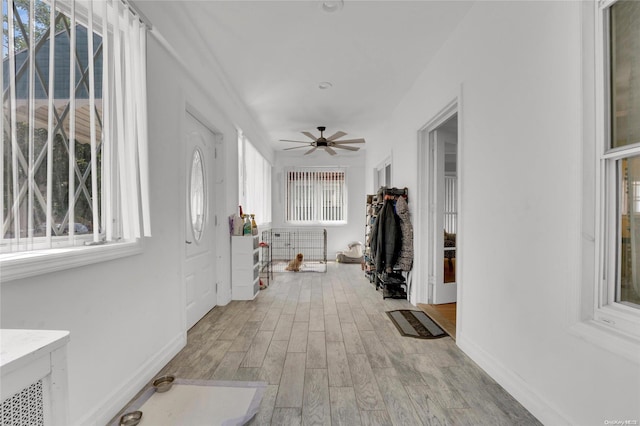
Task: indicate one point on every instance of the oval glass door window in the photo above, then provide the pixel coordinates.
(197, 195)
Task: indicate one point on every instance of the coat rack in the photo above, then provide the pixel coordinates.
(387, 231)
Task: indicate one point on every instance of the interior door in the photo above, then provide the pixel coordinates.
(443, 291)
(200, 231)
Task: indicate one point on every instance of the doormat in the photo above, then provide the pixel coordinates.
(199, 402)
(415, 324)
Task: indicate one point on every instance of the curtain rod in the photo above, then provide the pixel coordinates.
(141, 16)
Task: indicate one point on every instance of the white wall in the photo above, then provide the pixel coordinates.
(127, 316)
(338, 236)
(517, 66)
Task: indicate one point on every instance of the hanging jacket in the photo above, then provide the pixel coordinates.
(405, 259)
(386, 236)
(373, 238)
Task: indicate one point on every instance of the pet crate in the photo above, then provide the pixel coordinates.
(286, 243)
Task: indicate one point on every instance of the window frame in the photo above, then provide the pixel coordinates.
(606, 312)
(315, 221)
(39, 262)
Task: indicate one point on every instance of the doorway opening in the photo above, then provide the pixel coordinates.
(449, 210)
(439, 230)
(382, 174)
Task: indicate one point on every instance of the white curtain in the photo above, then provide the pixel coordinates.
(254, 181)
(127, 118)
(125, 178)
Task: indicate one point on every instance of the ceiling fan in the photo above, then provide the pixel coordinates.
(327, 143)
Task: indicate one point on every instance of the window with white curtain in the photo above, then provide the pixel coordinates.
(74, 138)
(254, 181)
(316, 196)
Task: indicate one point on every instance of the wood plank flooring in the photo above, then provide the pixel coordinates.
(331, 356)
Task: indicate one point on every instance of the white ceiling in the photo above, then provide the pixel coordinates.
(275, 53)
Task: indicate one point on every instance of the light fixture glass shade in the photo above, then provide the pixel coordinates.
(332, 6)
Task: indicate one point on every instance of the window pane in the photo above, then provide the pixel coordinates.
(24, 203)
(197, 195)
(60, 184)
(629, 232)
(83, 210)
(625, 73)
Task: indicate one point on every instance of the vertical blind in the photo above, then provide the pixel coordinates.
(74, 96)
(316, 195)
(254, 181)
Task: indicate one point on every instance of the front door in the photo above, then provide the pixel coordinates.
(200, 252)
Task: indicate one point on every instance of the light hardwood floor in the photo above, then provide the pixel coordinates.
(331, 356)
(443, 315)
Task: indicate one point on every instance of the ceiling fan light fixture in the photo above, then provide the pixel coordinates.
(324, 85)
(326, 143)
(332, 6)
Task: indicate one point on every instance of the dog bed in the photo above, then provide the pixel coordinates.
(352, 255)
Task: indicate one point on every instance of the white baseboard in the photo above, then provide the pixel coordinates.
(224, 299)
(118, 398)
(537, 405)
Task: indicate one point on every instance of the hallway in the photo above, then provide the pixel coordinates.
(331, 356)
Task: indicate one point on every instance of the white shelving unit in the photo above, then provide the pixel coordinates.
(245, 267)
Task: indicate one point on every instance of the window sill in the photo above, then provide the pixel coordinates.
(15, 266)
(603, 335)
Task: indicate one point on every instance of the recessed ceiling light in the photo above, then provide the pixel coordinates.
(332, 6)
(325, 85)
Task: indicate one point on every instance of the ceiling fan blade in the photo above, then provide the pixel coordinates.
(329, 150)
(295, 147)
(336, 136)
(287, 140)
(350, 148)
(311, 150)
(360, 140)
(310, 136)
